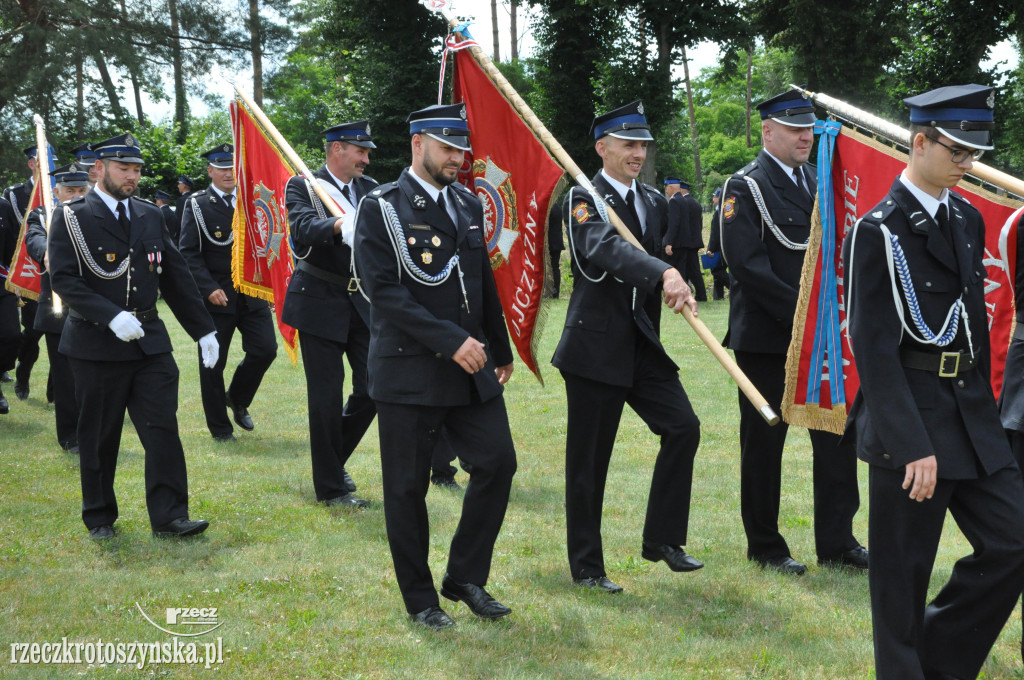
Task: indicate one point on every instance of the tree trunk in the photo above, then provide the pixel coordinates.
(750, 78)
(131, 73)
(180, 96)
(79, 99)
(256, 47)
(514, 30)
(698, 181)
(108, 86)
(494, 30)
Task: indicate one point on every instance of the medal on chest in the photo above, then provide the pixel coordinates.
(155, 258)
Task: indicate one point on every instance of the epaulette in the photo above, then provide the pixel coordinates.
(383, 189)
(145, 200)
(651, 188)
(746, 169)
(367, 177)
(880, 212)
(459, 186)
(76, 199)
(960, 198)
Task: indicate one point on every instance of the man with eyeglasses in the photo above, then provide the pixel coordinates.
(925, 417)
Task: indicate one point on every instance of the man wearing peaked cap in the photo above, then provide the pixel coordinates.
(163, 201)
(684, 237)
(185, 186)
(71, 183)
(323, 303)
(10, 328)
(108, 254)
(439, 358)
(19, 196)
(610, 354)
(206, 243)
(925, 419)
(719, 272)
(86, 157)
(765, 223)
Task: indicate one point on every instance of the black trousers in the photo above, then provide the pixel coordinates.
(836, 495)
(65, 404)
(1017, 445)
(10, 331)
(720, 275)
(595, 408)
(28, 351)
(408, 437)
(148, 389)
(554, 260)
(332, 439)
(256, 326)
(955, 632)
(692, 273)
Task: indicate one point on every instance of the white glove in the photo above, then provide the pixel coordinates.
(211, 349)
(126, 327)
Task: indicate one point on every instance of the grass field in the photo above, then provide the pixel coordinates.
(306, 592)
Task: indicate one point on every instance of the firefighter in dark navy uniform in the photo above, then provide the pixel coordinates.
(610, 354)
(109, 252)
(206, 242)
(684, 237)
(72, 181)
(765, 225)
(323, 303)
(163, 200)
(439, 357)
(185, 186)
(925, 417)
(19, 196)
(85, 157)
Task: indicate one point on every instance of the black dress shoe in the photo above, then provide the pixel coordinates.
(101, 533)
(445, 481)
(433, 618)
(5, 408)
(21, 390)
(599, 583)
(6, 377)
(241, 414)
(229, 437)
(181, 527)
(347, 501)
(349, 482)
(856, 558)
(674, 556)
(476, 598)
(784, 564)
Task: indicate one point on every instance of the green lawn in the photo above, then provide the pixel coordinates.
(307, 592)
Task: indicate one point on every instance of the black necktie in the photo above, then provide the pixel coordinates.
(942, 219)
(346, 193)
(636, 228)
(228, 200)
(443, 207)
(799, 174)
(122, 218)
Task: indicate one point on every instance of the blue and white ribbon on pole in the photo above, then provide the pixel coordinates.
(827, 349)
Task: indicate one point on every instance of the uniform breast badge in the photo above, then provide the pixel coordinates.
(427, 257)
(580, 213)
(436, 241)
(729, 208)
(111, 257)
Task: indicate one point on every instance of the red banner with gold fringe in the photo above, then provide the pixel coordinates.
(23, 275)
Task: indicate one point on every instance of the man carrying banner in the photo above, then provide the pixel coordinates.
(765, 225)
(925, 418)
(72, 181)
(206, 241)
(684, 236)
(108, 254)
(610, 354)
(332, 318)
(439, 357)
(19, 196)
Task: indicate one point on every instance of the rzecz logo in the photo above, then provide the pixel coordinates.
(187, 621)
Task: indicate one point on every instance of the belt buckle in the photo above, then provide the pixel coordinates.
(133, 312)
(353, 285)
(955, 356)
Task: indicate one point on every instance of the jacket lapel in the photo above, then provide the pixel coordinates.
(958, 228)
(425, 209)
(920, 223)
(783, 182)
(105, 218)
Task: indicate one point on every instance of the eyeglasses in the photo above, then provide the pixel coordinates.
(959, 155)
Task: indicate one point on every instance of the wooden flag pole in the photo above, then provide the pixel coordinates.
(288, 151)
(43, 167)
(895, 133)
(567, 163)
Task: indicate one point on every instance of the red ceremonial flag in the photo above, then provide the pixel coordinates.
(23, 277)
(514, 177)
(261, 262)
(862, 171)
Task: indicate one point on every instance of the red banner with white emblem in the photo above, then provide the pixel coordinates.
(514, 177)
(23, 276)
(261, 262)
(863, 171)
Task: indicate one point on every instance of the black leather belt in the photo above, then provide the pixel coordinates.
(351, 285)
(946, 364)
(143, 315)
